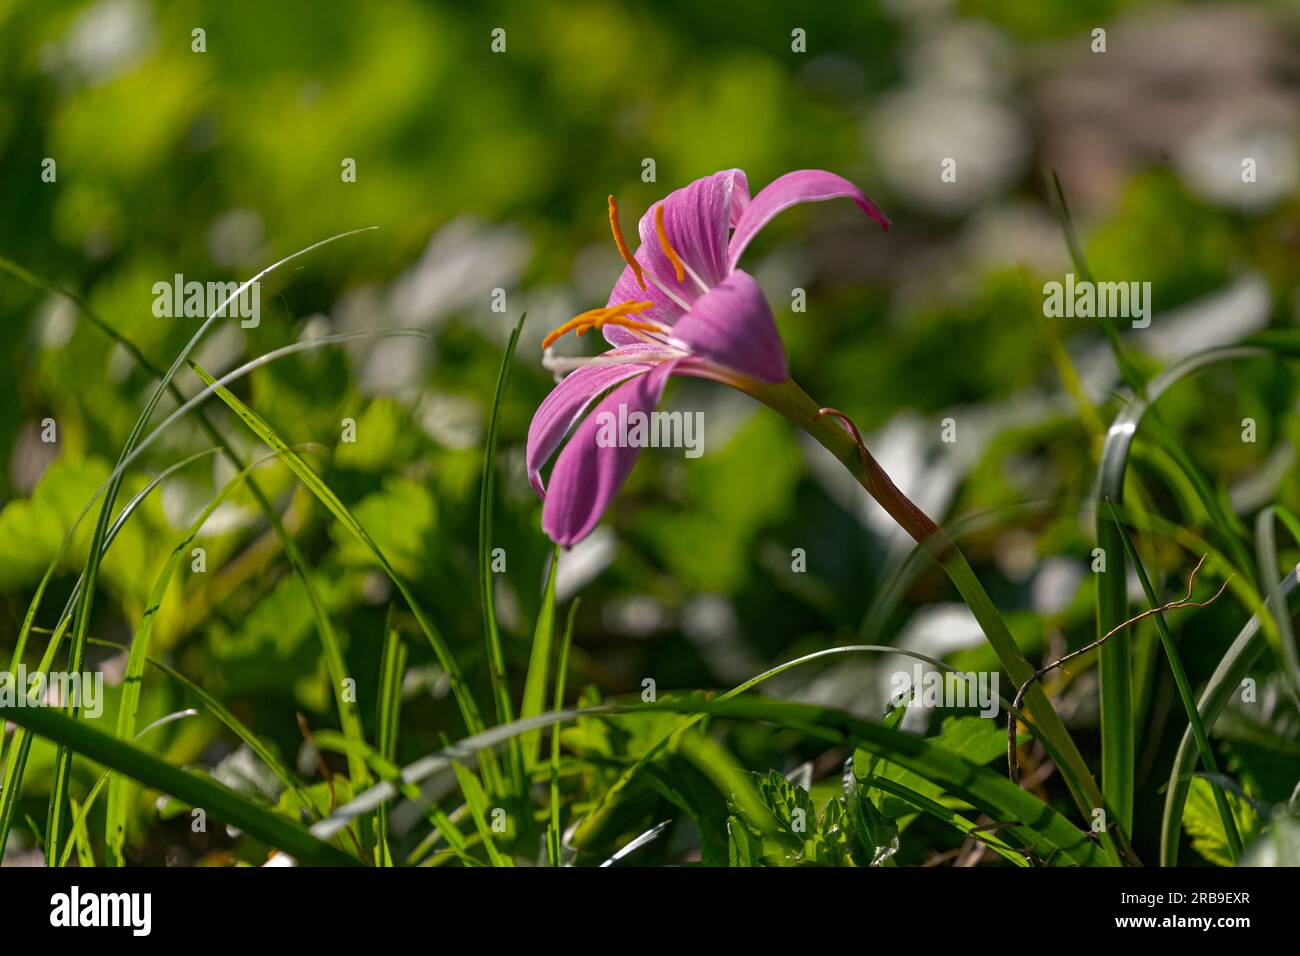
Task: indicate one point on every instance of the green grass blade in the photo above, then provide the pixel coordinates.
(1044, 831)
(491, 633)
(1128, 371)
(479, 809)
(391, 774)
(1115, 663)
(76, 653)
(951, 817)
(1226, 680)
(435, 763)
(128, 709)
(219, 801)
(725, 772)
(1184, 692)
(80, 814)
(80, 838)
(1040, 828)
(233, 723)
(318, 487)
(1266, 557)
(15, 764)
(1045, 721)
(539, 664)
(609, 798)
(554, 835)
(392, 667)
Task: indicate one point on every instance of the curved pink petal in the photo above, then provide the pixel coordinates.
(803, 185)
(567, 402)
(588, 474)
(733, 326)
(697, 220)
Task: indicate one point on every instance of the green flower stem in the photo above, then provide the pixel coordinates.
(795, 404)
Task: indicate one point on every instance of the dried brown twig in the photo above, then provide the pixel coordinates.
(1013, 765)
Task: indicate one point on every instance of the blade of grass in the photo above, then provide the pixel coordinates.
(1266, 556)
(390, 773)
(318, 487)
(1226, 680)
(347, 709)
(62, 763)
(392, 667)
(951, 817)
(185, 408)
(554, 835)
(80, 815)
(16, 757)
(725, 772)
(1128, 371)
(220, 802)
(1115, 665)
(492, 634)
(80, 838)
(76, 653)
(1039, 827)
(128, 709)
(477, 799)
(608, 799)
(1184, 690)
(233, 723)
(539, 664)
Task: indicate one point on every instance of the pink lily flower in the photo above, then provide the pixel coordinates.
(680, 307)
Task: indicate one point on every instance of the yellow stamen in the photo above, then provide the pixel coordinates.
(667, 246)
(619, 315)
(577, 322)
(622, 245)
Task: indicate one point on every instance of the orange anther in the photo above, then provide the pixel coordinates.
(619, 315)
(667, 246)
(622, 245)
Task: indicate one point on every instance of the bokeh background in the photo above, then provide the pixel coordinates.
(487, 170)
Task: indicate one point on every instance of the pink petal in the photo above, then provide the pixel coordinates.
(697, 220)
(567, 402)
(733, 326)
(586, 475)
(804, 185)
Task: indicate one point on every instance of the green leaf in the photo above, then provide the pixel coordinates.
(873, 837)
(1203, 822)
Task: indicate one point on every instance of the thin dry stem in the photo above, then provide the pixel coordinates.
(1013, 764)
